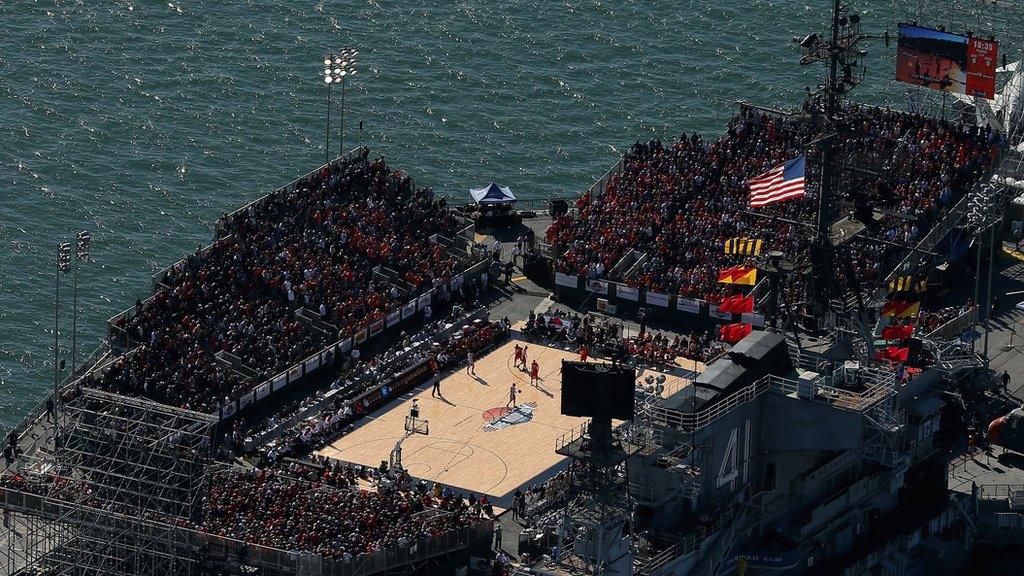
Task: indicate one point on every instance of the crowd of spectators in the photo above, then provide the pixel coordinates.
(327, 515)
(547, 495)
(679, 203)
(314, 246)
(929, 321)
(296, 507)
(610, 340)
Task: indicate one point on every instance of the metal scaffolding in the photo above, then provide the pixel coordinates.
(125, 475)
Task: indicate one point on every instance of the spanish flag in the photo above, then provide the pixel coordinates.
(901, 309)
(738, 275)
(743, 246)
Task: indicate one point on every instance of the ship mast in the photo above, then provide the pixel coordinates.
(843, 62)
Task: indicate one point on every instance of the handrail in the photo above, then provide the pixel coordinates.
(830, 395)
(999, 491)
(701, 418)
(955, 325)
(685, 545)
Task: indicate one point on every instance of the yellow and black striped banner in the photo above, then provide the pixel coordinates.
(908, 283)
(743, 246)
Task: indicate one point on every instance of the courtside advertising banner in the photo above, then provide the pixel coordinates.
(394, 318)
(597, 287)
(688, 305)
(753, 318)
(565, 280)
(424, 299)
(714, 312)
(627, 292)
(656, 299)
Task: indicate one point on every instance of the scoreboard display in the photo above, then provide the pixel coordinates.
(948, 62)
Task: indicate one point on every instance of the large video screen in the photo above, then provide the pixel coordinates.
(596, 390)
(947, 62)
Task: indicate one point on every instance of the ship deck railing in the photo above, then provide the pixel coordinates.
(683, 545)
(1012, 493)
(660, 415)
(821, 393)
(26, 431)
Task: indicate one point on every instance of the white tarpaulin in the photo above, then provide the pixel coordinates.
(492, 194)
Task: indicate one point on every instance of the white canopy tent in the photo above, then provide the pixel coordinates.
(492, 194)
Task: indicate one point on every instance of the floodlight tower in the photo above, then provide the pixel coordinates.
(63, 265)
(82, 241)
(337, 68)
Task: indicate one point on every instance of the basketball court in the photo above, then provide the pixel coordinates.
(477, 441)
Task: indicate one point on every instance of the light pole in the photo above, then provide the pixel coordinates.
(981, 217)
(338, 67)
(82, 240)
(63, 263)
(328, 80)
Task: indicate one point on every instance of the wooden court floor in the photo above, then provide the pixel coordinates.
(477, 442)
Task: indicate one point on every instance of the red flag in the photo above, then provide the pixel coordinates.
(745, 305)
(728, 304)
(733, 333)
(894, 353)
(897, 332)
(737, 304)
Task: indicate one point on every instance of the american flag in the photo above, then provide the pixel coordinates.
(783, 182)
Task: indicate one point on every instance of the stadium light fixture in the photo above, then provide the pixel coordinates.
(337, 67)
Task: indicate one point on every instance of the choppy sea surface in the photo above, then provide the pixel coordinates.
(144, 121)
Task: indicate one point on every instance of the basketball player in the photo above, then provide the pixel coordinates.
(584, 353)
(511, 396)
(525, 348)
(470, 367)
(535, 373)
(519, 355)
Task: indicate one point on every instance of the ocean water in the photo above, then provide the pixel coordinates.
(144, 121)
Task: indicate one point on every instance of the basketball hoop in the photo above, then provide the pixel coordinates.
(416, 425)
(413, 425)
